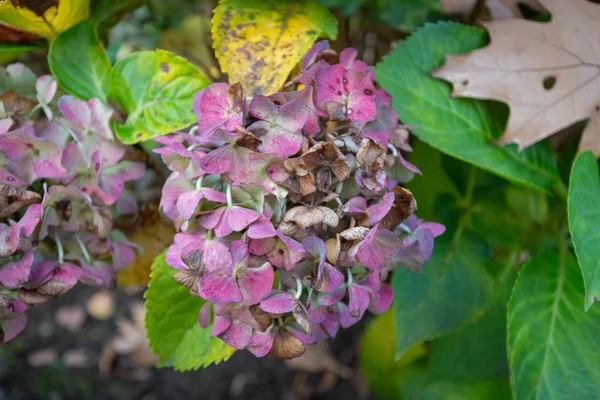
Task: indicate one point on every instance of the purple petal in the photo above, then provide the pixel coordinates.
(408, 165)
(328, 299)
(358, 300)
(410, 256)
(331, 279)
(433, 227)
(260, 344)
(347, 57)
(216, 255)
(382, 299)
(77, 111)
(187, 203)
(378, 248)
(212, 219)
(218, 161)
(260, 247)
(13, 327)
(378, 211)
(263, 108)
(311, 55)
(239, 251)
(214, 110)
(45, 87)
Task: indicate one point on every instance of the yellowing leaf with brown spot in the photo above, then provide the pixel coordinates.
(44, 18)
(548, 73)
(153, 235)
(258, 42)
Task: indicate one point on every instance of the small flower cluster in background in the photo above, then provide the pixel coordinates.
(62, 186)
(289, 207)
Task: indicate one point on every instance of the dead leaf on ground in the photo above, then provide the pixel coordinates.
(130, 342)
(101, 305)
(153, 235)
(318, 358)
(70, 317)
(548, 73)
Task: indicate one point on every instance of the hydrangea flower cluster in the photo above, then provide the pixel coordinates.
(289, 206)
(62, 184)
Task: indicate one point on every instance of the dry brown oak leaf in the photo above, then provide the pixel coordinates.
(548, 73)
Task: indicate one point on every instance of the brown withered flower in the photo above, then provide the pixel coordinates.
(293, 175)
(371, 161)
(307, 216)
(327, 159)
(404, 206)
(286, 346)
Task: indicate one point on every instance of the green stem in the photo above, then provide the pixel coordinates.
(561, 190)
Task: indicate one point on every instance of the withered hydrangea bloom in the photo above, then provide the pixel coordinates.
(63, 181)
(289, 206)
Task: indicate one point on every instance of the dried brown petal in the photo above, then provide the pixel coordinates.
(327, 155)
(333, 249)
(370, 153)
(16, 104)
(236, 97)
(404, 206)
(286, 346)
(355, 233)
(54, 287)
(301, 316)
(262, 318)
(306, 216)
(188, 278)
(400, 139)
(247, 140)
(33, 297)
(18, 194)
(294, 231)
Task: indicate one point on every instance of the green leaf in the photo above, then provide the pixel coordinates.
(584, 222)
(346, 7)
(381, 369)
(552, 343)
(109, 12)
(79, 62)
(462, 128)
(433, 182)
(172, 323)
(259, 42)
(497, 389)
(156, 90)
(10, 51)
(406, 15)
(454, 289)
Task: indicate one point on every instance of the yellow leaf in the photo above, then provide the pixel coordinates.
(153, 235)
(44, 18)
(258, 42)
(548, 73)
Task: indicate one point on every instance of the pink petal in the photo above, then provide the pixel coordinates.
(13, 327)
(216, 255)
(262, 228)
(30, 219)
(238, 218)
(260, 247)
(205, 315)
(218, 161)
(378, 211)
(255, 283)
(187, 203)
(237, 336)
(239, 251)
(14, 274)
(77, 111)
(358, 300)
(263, 108)
(212, 219)
(382, 299)
(278, 303)
(219, 287)
(220, 325)
(378, 248)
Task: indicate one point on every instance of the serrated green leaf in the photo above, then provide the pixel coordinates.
(259, 42)
(584, 222)
(156, 90)
(453, 290)
(172, 323)
(552, 343)
(462, 128)
(79, 62)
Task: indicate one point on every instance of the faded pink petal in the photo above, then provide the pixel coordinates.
(12, 327)
(14, 274)
(9, 239)
(255, 283)
(205, 315)
(238, 335)
(220, 325)
(219, 287)
(378, 211)
(214, 109)
(358, 300)
(278, 303)
(378, 248)
(382, 299)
